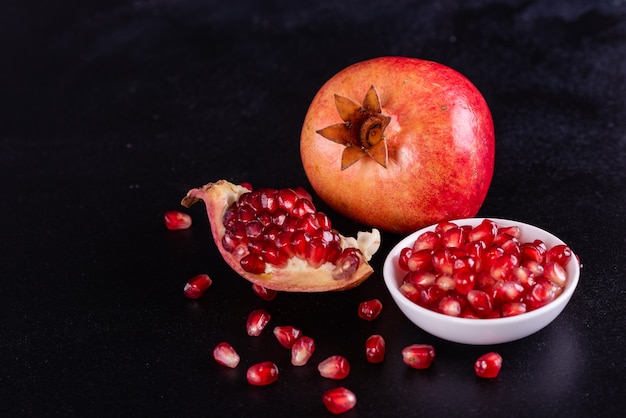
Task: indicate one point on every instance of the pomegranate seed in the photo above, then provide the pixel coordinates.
(540, 294)
(253, 263)
(300, 243)
(197, 285)
(513, 308)
(431, 295)
(370, 309)
(272, 255)
(484, 232)
(559, 253)
(448, 305)
(339, 400)
(454, 238)
(287, 199)
(175, 220)
(503, 267)
(420, 278)
(444, 226)
(263, 293)
(513, 231)
(334, 367)
(445, 282)
(375, 349)
(287, 335)
(246, 185)
(418, 356)
(262, 374)
(257, 321)
(428, 240)
(302, 207)
(443, 261)
(411, 291)
(302, 350)
(488, 365)
(419, 260)
(403, 259)
(316, 252)
(508, 291)
(555, 273)
(464, 281)
(480, 302)
(347, 263)
(226, 355)
(534, 251)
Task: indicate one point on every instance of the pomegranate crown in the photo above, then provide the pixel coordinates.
(362, 130)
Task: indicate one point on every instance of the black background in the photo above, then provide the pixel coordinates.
(111, 110)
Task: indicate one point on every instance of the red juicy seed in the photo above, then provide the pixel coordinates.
(228, 242)
(524, 276)
(339, 400)
(323, 221)
(411, 292)
(534, 251)
(484, 281)
(491, 254)
(287, 199)
(450, 306)
(555, 272)
(484, 232)
(265, 217)
(509, 291)
(290, 224)
(246, 185)
(246, 213)
(428, 240)
(370, 309)
(300, 243)
(540, 294)
(302, 193)
(418, 356)
(444, 226)
(375, 349)
(464, 264)
(420, 277)
(230, 217)
(445, 282)
(535, 268)
(347, 263)
(454, 238)
(257, 321)
(420, 260)
(263, 292)
(511, 246)
(559, 253)
(268, 199)
(254, 229)
(271, 254)
(279, 216)
(443, 262)
(262, 374)
(283, 243)
(333, 251)
(253, 263)
(255, 246)
(480, 302)
(334, 367)
(513, 308)
(175, 220)
(302, 207)
(271, 232)
(196, 286)
(403, 260)
(464, 281)
(488, 365)
(513, 231)
(503, 267)
(308, 223)
(226, 355)
(316, 252)
(431, 295)
(287, 335)
(302, 350)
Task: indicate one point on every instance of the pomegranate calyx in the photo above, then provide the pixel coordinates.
(318, 261)
(362, 132)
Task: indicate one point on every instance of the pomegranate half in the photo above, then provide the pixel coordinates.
(276, 239)
(399, 143)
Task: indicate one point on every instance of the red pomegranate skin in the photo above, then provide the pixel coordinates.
(440, 143)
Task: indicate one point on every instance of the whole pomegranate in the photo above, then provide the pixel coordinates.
(399, 143)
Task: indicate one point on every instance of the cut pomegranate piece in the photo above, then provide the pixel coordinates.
(418, 356)
(339, 400)
(196, 286)
(334, 367)
(302, 350)
(375, 349)
(488, 365)
(279, 241)
(370, 309)
(175, 220)
(226, 355)
(262, 374)
(287, 335)
(257, 321)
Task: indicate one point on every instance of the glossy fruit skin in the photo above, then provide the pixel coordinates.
(440, 144)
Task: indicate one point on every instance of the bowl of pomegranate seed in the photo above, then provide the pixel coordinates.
(481, 280)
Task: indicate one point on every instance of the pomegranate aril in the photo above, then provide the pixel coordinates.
(287, 199)
(443, 226)
(559, 253)
(454, 238)
(431, 295)
(339, 400)
(347, 263)
(443, 261)
(513, 231)
(464, 281)
(420, 260)
(502, 267)
(555, 273)
(246, 213)
(513, 308)
(262, 374)
(334, 367)
(411, 291)
(370, 309)
(300, 243)
(287, 335)
(263, 292)
(197, 285)
(445, 282)
(375, 349)
(302, 350)
(225, 354)
(253, 263)
(480, 302)
(323, 221)
(418, 356)
(403, 259)
(176, 220)
(302, 207)
(534, 251)
(524, 276)
(257, 321)
(316, 252)
(308, 223)
(428, 240)
(448, 305)
(420, 278)
(540, 294)
(272, 255)
(484, 232)
(488, 365)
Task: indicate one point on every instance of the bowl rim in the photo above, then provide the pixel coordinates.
(393, 283)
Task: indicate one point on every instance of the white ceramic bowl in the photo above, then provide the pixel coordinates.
(480, 331)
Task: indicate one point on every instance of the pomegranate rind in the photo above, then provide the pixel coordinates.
(297, 276)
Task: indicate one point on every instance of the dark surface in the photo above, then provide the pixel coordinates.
(110, 111)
